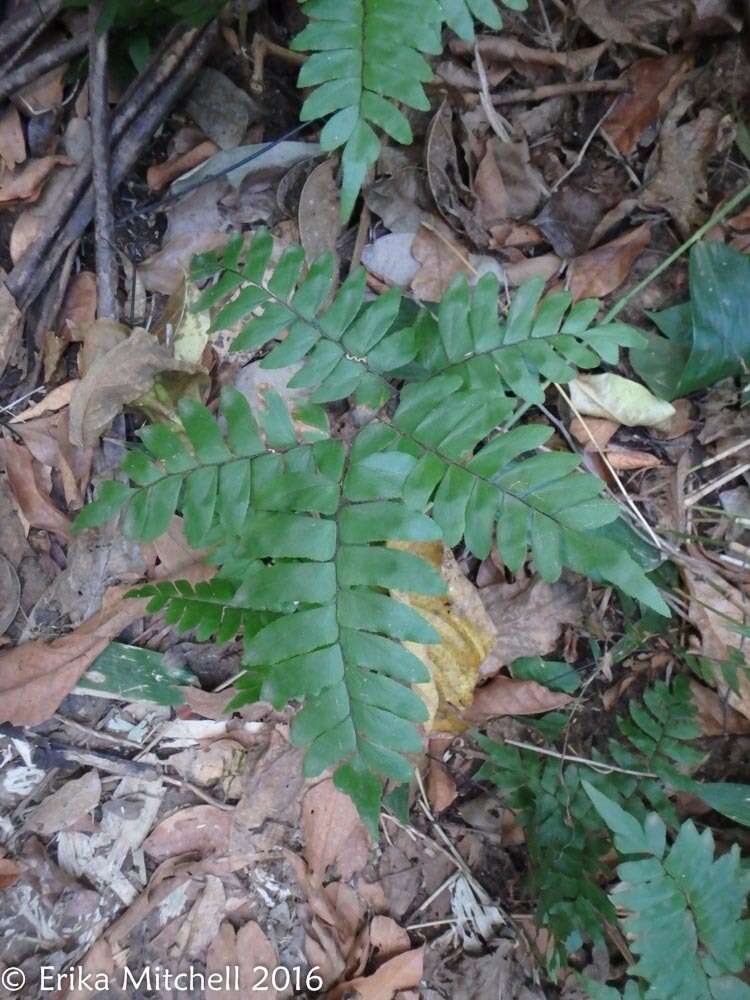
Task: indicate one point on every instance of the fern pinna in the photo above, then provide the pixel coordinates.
(368, 54)
(299, 530)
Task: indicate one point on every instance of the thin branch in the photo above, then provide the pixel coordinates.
(106, 269)
(560, 90)
(34, 68)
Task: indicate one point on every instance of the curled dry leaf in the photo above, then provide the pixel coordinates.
(116, 376)
(619, 399)
(602, 270)
(319, 211)
(626, 460)
(652, 83)
(509, 696)
(30, 492)
(398, 973)
(55, 400)
(466, 632)
(26, 183)
(160, 175)
(10, 594)
(12, 141)
(11, 322)
(455, 201)
(440, 787)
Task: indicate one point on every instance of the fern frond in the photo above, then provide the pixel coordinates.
(349, 346)
(367, 54)
(685, 907)
(206, 474)
(209, 607)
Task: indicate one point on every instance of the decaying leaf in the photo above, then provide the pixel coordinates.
(528, 618)
(715, 716)
(439, 260)
(510, 696)
(10, 326)
(619, 399)
(31, 494)
(399, 973)
(319, 211)
(714, 608)
(26, 183)
(652, 83)
(467, 633)
(117, 376)
(600, 271)
(12, 141)
(201, 829)
(333, 832)
(677, 171)
(71, 802)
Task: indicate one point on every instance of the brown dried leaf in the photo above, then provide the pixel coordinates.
(37, 675)
(11, 322)
(492, 197)
(715, 717)
(713, 608)
(600, 271)
(9, 873)
(399, 973)
(203, 830)
(619, 20)
(46, 91)
(599, 429)
(24, 478)
(333, 832)
(12, 141)
(569, 219)
(528, 618)
(116, 376)
(440, 259)
(652, 83)
(319, 214)
(71, 802)
(677, 170)
(26, 184)
(508, 696)
(440, 786)
(626, 460)
(79, 306)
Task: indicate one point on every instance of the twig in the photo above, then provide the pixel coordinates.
(16, 29)
(106, 270)
(35, 68)
(262, 47)
(718, 215)
(496, 122)
(571, 758)
(143, 108)
(560, 90)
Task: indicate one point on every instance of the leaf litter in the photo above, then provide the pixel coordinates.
(171, 834)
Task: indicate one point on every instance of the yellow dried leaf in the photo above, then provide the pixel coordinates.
(467, 635)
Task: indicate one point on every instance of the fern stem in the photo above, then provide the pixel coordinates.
(571, 758)
(717, 217)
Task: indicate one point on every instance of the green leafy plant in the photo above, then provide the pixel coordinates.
(300, 529)
(684, 908)
(566, 840)
(367, 55)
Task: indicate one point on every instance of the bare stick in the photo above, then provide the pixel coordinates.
(560, 90)
(106, 271)
(35, 68)
(22, 282)
(128, 148)
(16, 29)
